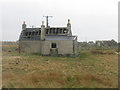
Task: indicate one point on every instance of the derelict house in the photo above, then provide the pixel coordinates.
(48, 40)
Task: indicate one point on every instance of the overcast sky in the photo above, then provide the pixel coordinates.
(90, 19)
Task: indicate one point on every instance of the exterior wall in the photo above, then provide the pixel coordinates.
(45, 47)
(76, 47)
(32, 46)
(63, 47)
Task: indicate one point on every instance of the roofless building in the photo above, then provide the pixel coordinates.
(48, 40)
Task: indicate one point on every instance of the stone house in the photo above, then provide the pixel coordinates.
(48, 40)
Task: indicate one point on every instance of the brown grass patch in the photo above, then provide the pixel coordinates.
(51, 76)
(34, 71)
(90, 78)
(9, 46)
(48, 79)
(102, 52)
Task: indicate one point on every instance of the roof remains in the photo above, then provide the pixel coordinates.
(60, 37)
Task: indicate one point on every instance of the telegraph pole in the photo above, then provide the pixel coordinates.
(47, 20)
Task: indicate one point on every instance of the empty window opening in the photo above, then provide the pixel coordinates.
(50, 30)
(54, 31)
(36, 33)
(60, 30)
(29, 33)
(47, 31)
(64, 30)
(26, 34)
(53, 45)
(33, 33)
(39, 32)
(57, 30)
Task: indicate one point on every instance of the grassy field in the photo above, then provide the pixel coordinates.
(88, 70)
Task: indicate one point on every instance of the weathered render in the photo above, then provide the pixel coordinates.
(48, 40)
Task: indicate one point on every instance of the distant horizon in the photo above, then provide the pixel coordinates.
(78, 41)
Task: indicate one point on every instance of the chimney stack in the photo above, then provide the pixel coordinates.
(42, 31)
(23, 25)
(69, 28)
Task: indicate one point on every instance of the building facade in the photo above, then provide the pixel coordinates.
(48, 40)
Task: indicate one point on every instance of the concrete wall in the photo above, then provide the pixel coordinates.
(64, 47)
(43, 47)
(30, 46)
(76, 46)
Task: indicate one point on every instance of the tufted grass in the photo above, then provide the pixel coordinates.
(88, 70)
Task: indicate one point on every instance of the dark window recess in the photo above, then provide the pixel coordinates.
(64, 30)
(50, 30)
(33, 33)
(47, 31)
(39, 32)
(60, 30)
(26, 33)
(56, 31)
(29, 33)
(36, 33)
(53, 45)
